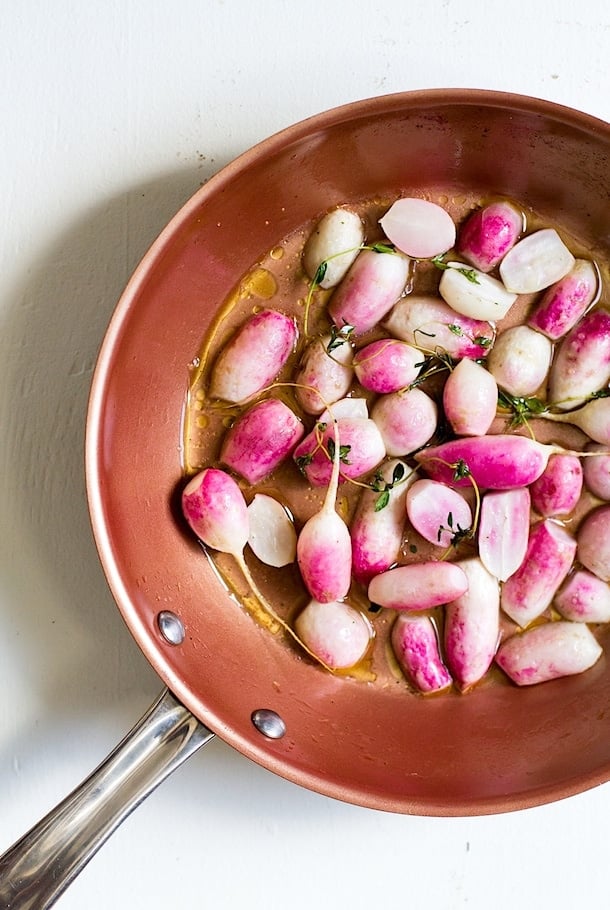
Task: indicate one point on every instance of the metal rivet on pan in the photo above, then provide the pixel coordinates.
(269, 723)
(171, 627)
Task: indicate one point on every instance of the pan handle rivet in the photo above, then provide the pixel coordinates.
(171, 627)
(269, 723)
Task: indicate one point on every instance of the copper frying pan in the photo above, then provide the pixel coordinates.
(495, 750)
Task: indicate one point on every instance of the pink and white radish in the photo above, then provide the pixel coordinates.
(325, 373)
(582, 361)
(474, 294)
(593, 419)
(335, 242)
(566, 301)
(430, 324)
(593, 537)
(470, 398)
(387, 365)
(439, 513)
(535, 262)
(548, 651)
(272, 536)
(596, 471)
(584, 598)
(504, 525)
(370, 289)
(472, 625)
(520, 360)
(377, 527)
(419, 228)
(261, 439)
(406, 420)
(254, 357)
(418, 586)
(557, 491)
(548, 559)
(415, 645)
(361, 450)
(488, 234)
(337, 633)
(345, 407)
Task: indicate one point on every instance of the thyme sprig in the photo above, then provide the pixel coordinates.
(382, 486)
(469, 273)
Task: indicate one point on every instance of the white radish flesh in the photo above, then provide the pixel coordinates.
(536, 262)
(345, 407)
(387, 365)
(475, 294)
(430, 324)
(470, 398)
(594, 542)
(253, 357)
(419, 228)
(261, 439)
(520, 360)
(370, 289)
(406, 420)
(272, 537)
(335, 241)
(361, 443)
(531, 589)
(566, 301)
(582, 361)
(557, 490)
(504, 525)
(437, 512)
(584, 598)
(593, 419)
(419, 586)
(596, 471)
(416, 648)
(336, 633)
(547, 652)
(488, 234)
(325, 373)
(472, 626)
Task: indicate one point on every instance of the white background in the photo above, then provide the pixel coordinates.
(113, 113)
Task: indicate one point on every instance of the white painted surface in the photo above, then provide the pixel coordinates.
(112, 114)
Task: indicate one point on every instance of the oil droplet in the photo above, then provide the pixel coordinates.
(259, 283)
(202, 421)
(200, 395)
(443, 199)
(277, 252)
(459, 200)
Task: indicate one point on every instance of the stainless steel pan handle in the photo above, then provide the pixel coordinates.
(39, 867)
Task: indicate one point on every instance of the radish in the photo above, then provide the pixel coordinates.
(582, 361)
(584, 598)
(272, 537)
(439, 513)
(415, 645)
(387, 365)
(406, 420)
(332, 246)
(431, 325)
(370, 289)
(253, 357)
(594, 542)
(419, 228)
(346, 407)
(549, 651)
(470, 398)
(474, 294)
(335, 632)
(325, 373)
(564, 303)
(418, 586)
(377, 527)
(520, 360)
(261, 439)
(488, 234)
(557, 490)
(472, 625)
(593, 419)
(596, 471)
(361, 450)
(548, 558)
(535, 262)
(504, 525)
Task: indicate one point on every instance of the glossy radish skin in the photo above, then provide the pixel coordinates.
(335, 240)
(475, 294)
(531, 589)
(500, 462)
(216, 511)
(470, 398)
(335, 632)
(429, 324)
(253, 357)
(594, 542)
(261, 439)
(472, 625)
(272, 536)
(504, 525)
(557, 490)
(419, 586)
(547, 652)
(370, 289)
(520, 360)
(584, 598)
(566, 301)
(325, 373)
(406, 420)
(596, 471)
(387, 365)
(419, 228)
(582, 361)
(377, 533)
(437, 512)
(366, 451)
(536, 262)
(593, 419)
(415, 644)
(488, 234)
